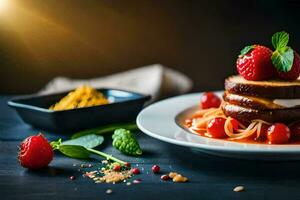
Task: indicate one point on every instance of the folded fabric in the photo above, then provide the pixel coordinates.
(155, 80)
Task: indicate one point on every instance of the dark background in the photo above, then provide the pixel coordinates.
(83, 39)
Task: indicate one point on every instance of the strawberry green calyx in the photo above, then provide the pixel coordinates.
(246, 50)
(283, 56)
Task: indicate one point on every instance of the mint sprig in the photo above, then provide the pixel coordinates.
(280, 39)
(88, 141)
(283, 56)
(82, 148)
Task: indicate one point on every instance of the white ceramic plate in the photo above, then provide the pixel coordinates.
(160, 120)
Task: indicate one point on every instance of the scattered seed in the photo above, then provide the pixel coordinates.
(239, 188)
(72, 178)
(86, 165)
(128, 183)
(74, 164)
(82, 165)
(109, 191)
(104, 161)
(136, 181)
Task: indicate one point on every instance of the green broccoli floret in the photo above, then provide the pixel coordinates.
(124, 141)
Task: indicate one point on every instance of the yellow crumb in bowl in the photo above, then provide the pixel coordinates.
(83, 96)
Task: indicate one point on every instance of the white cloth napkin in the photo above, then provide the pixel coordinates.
(155, 80)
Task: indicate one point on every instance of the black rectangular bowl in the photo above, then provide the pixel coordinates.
(34, 110)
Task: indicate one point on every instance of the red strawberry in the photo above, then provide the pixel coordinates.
(294, 73)
(35, 152)
(255, 64)
(284, 58)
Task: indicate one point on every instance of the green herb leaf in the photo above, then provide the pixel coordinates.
(105, 129)
(74, 151)
(246, 49)
(88, 141)
(283, 59)
(280, 39)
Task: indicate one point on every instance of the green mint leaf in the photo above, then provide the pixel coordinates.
(280, 39)
(283, 59)
(246, 49)
(88, 141)
(74, 151)
(105, 129)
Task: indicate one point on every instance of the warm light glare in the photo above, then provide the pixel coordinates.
(4, 4)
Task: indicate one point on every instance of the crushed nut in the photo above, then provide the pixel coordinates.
(180, 179)
(172, 174)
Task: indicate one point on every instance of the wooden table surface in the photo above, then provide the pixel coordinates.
(210, 177)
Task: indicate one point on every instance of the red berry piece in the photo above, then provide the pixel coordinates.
(209, 100)
(35, 152)
(135, 170)
(255, 63)
(294, 73)
(278, 134)
(155, 169)
(128, 165)
(117, 167)
(164, 177)
(72, 178)
(215, 128)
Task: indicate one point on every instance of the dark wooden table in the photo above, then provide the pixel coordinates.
(210, 177)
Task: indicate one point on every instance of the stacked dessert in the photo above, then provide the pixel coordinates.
(268, 87)
(261, 104)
